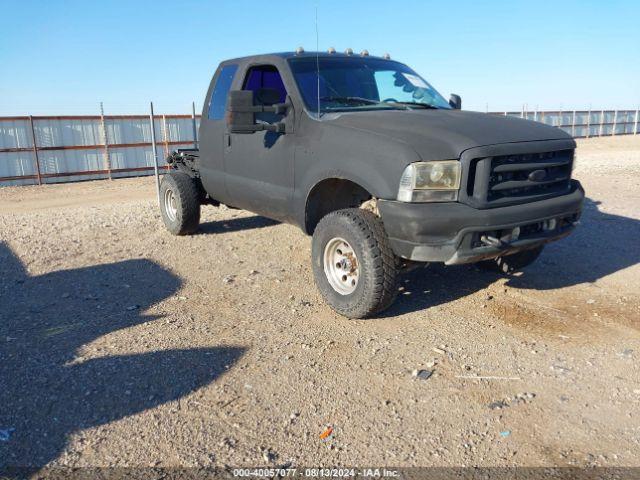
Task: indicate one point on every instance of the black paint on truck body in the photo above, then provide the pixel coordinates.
(274, 174)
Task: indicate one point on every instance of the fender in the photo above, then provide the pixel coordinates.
(328, 151)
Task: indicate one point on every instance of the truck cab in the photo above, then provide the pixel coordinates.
(363, 154)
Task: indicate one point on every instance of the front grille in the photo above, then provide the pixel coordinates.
(529, 175)
(506, 174)
(519, 178)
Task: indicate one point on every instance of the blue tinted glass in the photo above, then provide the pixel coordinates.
(218, 102)
(351, 83)
(265, 76)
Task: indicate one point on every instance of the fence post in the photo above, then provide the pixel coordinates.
(615, 120)
(589, 122)
(635, 123)
(560, 118)
(35, 150)
(193, 121)
(601, 123)
(105, 142)
(155, 152)
(573, 124)
(165, 135)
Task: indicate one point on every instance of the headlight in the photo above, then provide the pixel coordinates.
(437, 181)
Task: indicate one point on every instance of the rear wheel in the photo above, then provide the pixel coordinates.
(180, 203)
(353, 264)
(512, 263)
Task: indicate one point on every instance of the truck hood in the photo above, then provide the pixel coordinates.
(445, 134)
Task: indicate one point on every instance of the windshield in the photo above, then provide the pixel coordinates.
(361, 83)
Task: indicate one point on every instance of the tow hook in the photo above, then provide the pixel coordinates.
(491, 241)
(503, 241)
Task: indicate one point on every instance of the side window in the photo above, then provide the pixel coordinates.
(267, 87)
(218, 103)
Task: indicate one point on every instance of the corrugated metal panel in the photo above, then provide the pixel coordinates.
(129, 130)
(581, 118)
(133, 157)
(180, 129)
(581, 131)
(65, 161)
(17, 164)
(15, 134)
(585, 123)
(62, 133)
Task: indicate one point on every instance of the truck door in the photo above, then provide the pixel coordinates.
(212, 132)
(259, 165)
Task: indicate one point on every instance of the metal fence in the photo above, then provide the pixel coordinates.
(585, 123)
(37, 150)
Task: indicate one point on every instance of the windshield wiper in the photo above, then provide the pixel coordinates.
(350, 100)
(417, 104)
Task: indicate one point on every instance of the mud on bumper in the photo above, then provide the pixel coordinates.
(456, 233)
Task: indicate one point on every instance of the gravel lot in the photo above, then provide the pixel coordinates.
(121, 345)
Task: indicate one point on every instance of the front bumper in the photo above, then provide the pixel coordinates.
(456, 233)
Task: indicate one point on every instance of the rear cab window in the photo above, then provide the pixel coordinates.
(218, 103)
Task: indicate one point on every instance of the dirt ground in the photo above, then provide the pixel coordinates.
(122, 345)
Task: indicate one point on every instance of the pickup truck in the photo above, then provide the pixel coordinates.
(366, 156)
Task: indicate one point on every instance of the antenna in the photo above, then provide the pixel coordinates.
(318, 60)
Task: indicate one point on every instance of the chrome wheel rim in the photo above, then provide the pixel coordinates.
(170, 205)
(341, 266)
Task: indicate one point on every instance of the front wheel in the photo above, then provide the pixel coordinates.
(512, 263)
(180, 203)
(353, 264)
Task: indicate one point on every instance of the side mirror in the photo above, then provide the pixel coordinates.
(241, 113)
(241, 118)
(455, 101)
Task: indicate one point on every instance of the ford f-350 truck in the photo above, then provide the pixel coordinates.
(365, 155)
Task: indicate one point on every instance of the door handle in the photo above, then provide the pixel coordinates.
(227, 141)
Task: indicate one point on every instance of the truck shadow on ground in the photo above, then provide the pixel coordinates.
(47, 392)
(235, 225)
(601, 245)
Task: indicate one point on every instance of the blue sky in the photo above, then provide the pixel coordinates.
(64, 57)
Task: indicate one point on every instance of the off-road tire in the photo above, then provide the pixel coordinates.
(185, 217)
(512, 263)
(376, 288)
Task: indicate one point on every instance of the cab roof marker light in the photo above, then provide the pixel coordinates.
(299, 51)
(364, 53)
(331, 50)
(386, 56)
(349, 51)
